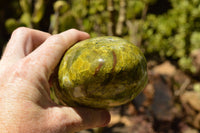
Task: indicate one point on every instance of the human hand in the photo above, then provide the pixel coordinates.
(25, 68)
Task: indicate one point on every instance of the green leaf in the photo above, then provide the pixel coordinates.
(26, 19)
(11, 24)
(25, 5)
(61, 6)
(38, 13)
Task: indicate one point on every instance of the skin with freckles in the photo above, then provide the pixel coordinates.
(26, 65)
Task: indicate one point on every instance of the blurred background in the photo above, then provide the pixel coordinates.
(167, 31)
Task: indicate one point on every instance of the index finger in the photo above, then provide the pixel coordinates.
(23, 41)
(50, 52)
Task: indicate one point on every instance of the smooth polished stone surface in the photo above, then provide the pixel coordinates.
(101, 72)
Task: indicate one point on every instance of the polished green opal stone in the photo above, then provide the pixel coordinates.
(101, 72)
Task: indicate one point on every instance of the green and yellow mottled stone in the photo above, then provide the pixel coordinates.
(101, 72)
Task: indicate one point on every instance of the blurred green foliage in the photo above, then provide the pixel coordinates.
(176, 33)
(166, 28)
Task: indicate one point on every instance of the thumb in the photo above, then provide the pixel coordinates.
(68, 119)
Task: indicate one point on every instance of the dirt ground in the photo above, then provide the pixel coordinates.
(170, 103)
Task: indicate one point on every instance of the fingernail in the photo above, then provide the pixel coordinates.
(105, 118)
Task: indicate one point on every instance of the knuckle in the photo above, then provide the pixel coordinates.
(21, 31)
(73, 33)
(64, 37)
(55, 39)
(73, 30)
